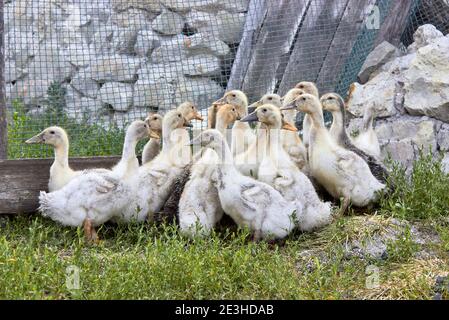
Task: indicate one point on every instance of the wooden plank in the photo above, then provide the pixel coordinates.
(352, 21)
(3, 124)
(313, 41)
(257, 10)
(395, 23)
(275, 40)
(21, 180)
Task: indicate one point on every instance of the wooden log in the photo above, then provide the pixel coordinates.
(275, 40)
(257, 10)
(395, 23)
(351, 23)
(3, 123)
(21, 180)
(313, 41)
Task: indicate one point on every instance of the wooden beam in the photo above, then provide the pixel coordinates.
(395, 23)
(21, 180)
(257, 10)
(351, 23)
(3, 123)
(275, 40)
(313, 41)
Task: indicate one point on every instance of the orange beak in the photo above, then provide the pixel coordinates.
(288, 126)
(197, 116)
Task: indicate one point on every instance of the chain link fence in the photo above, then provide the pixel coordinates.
(94, 66)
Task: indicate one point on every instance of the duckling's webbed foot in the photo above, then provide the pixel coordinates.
(90, 234)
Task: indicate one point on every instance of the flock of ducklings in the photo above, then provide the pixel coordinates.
(265, 178)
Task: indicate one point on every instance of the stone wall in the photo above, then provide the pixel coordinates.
(410, 92)
(117, 58)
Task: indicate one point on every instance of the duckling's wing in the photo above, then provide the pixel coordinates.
(255, 195)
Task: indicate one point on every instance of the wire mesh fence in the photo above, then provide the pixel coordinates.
(94, 66)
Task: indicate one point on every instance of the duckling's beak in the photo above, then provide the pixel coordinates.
(154, 135)
(289, 106)
(220, 102)
(288, 126)
(252, 117)
(39, 138)
(198, 116)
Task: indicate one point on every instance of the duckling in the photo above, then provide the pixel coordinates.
(291, 142)
(334, 103)
(60, 172)
(242, 135)
(155, 179)
(153, 146)
(249, 202)
(199, 206)
(367, 139)
(310, 88)
(94, 197)
(273, 99)
(277, 170)
(342, 172)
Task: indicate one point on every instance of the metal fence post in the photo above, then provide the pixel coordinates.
(3, 125)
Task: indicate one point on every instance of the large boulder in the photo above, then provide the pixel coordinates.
(124, 5)
(424, 36)
(113, 68)
(204, 43)
(168, 23)
(146, 42)
(427, 81)
(154, 93)
(170, 50)
(183, 5)
(201, 91)
(202, 65)
(116, 94)
(85, 85)
(377, 58)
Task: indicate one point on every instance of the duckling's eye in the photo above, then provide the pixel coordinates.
(264, 110)
(330, 98)
(233, 110)
(270, 98)
(155, 118)
(52, 132)
(193, 107)
(179, 116)
(233, 95)
(303, 99)
(301, 87)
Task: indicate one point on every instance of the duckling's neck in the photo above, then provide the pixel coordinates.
(129, 148)
(221, 125)
(317, 119)
(166, 139)
(270, 137)
(337, 124)
(62, 155)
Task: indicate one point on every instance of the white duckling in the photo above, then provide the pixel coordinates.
(291, 142)
(249, 202)
(199, 206)
(342, 172)
(310, 88)
(367, 139)
(156, 178)
(153, 146)
(277, 170)
(94, 197)
(335, 104)
(242, 134)
(60, 171)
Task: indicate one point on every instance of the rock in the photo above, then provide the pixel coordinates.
(427, 81)
(76, 18)
(420, 131)
(118, 95)
(21, 44)
(423, 36)
(85, 85)
(443, 138)
(201, 91)
(445, 163)
(376, 59)
(203, 43)
(381, 91)
(146, 41)
(182, 5)
(225, 26)
(133, 18)
(13, 72)
(123, 119)
(30, 91)
(124, 40)
(171, 50)
(235, 5)
(155, 72)
(85, 108)
(79, 55)
(123, 5)
(154, 93)
(114, 68)
(168, 23)
(400, 151)
(202, 65)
